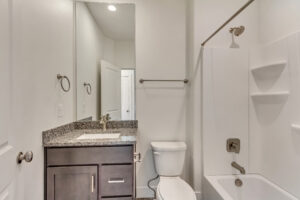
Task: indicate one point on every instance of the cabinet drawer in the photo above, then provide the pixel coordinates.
(90, 155)
(116, 180)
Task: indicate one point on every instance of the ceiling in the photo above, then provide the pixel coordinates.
(118, 25)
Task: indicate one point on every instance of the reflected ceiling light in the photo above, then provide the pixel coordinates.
(111, 8)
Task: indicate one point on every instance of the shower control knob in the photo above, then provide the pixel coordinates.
(28, 156)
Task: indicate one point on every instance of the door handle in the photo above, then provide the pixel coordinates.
(28, 156)
(116, 180)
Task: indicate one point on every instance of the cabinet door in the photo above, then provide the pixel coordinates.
(72, 183)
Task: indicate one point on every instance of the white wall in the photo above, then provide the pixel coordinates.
(109, 50)
(125, 54)
(160, 53)
(278, 18)
(42, 48)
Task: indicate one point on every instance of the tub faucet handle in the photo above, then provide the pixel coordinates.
(233, 145)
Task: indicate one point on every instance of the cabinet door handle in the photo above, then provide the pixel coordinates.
(93, 184)
(116, 180)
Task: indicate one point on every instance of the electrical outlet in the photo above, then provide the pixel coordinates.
(60, 111)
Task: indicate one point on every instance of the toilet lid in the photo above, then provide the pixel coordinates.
(175, 189)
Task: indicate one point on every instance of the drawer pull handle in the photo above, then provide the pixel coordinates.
(93, 184)
(116, 180)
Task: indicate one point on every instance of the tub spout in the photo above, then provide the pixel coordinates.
(238, 167)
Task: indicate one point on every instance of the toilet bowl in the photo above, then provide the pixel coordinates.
(169, 160)
(174, 188)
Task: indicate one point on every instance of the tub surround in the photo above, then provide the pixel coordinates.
(67, 135)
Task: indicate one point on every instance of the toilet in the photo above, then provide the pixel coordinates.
(169, 160)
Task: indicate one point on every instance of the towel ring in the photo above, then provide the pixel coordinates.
(61, 78)
(88, 88)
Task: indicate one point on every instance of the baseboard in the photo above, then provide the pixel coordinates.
(145, 192)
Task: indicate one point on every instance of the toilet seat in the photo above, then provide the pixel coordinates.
(174, 188)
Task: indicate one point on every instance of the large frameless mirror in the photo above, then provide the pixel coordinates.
(105, 60)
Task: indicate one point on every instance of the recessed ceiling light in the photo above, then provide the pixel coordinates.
(111, 8)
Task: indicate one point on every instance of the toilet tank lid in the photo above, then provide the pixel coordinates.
(168, 146)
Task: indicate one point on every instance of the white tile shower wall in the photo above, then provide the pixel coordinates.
(274, 146)
(225, 108)
(278, 18)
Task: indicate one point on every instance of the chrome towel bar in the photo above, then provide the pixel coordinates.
(160, 80)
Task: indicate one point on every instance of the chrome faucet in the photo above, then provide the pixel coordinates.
(238, 167)
(103, 120)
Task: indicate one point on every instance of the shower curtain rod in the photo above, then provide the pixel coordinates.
(227, 22)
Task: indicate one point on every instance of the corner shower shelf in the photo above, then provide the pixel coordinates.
(295, 127)
(270, 96)
(270, 69)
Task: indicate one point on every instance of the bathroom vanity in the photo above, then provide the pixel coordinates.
(90, 168)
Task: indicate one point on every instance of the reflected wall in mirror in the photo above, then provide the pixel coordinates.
(105, 60)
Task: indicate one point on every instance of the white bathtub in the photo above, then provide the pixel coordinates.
(254, 187)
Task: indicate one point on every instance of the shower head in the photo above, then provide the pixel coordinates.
(237, 31)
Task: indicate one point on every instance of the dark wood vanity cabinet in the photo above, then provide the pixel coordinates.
(89, 173)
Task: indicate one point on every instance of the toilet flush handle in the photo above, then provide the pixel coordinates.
(156, 153)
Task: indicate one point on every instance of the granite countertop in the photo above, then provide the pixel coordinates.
(66, 136)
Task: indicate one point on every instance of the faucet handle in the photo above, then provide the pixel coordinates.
(107, 116)
(102, 119)
(233, 145)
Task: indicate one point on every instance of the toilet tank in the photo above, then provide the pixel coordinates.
(169, 157)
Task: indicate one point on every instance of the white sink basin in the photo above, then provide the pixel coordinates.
(96, 136)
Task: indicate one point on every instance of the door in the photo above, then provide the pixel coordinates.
(7, 152)
(110, 90)
(128, 94)
(72, 183)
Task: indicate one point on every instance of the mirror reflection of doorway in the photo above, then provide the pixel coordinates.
(128, 94)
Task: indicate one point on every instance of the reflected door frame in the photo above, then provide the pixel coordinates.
(128, 94)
